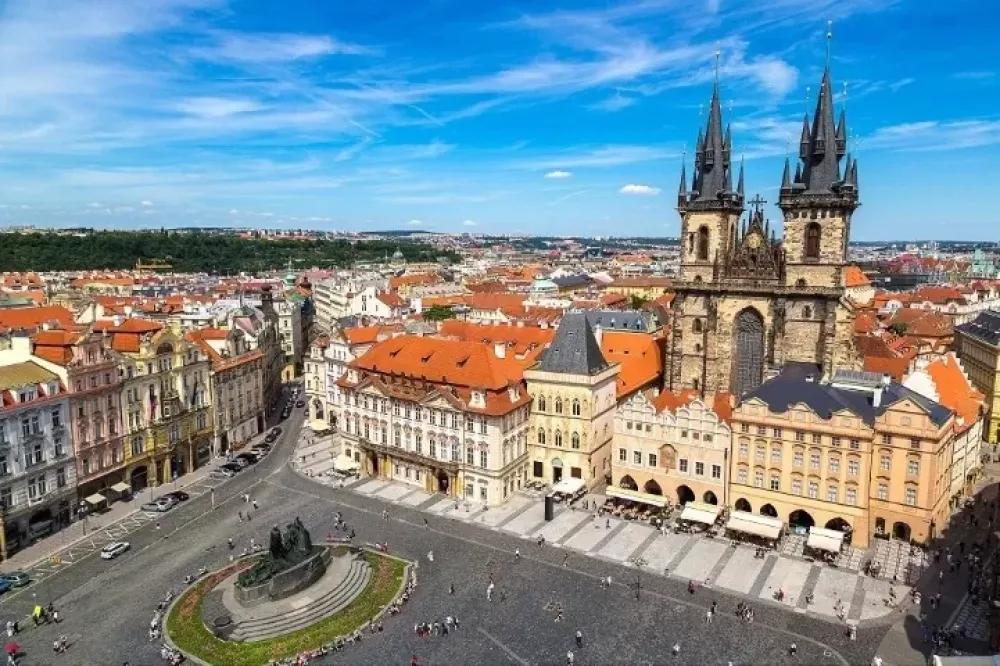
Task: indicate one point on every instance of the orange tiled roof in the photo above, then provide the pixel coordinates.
(412, 280)
(55, 346)
(361, 335)
(524, 342)
(671, 400)
(511, 304)
(639, 355)
(32, 318)
(127, 336)
(441, 361)
(924, 323)
(854, 277)
(955, 391)
(391, 299)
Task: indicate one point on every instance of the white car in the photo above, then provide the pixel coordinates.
(113, 550)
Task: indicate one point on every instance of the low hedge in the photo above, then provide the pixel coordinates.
(188, 631)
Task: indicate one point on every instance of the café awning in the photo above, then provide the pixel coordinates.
(95, 499)
(755, 523)
(636, 496)
(345, 463)
(700, 512)
(319, 425)
(121, 487)
(568, 486)
(823, 539)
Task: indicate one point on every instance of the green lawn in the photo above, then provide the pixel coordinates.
(189, 633)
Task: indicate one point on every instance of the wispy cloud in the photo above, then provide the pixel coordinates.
(933, 135)
(270, 48)
(470, 223)
(217, 107)
(603, 156)
(639, 190)
(567, 196)
(975, 75)
(616, 102)
(557, 175)
(415, 223)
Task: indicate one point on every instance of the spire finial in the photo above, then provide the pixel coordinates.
(718, 56)
(829, 39)
(808, 90)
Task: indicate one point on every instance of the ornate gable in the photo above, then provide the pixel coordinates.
(754, 253)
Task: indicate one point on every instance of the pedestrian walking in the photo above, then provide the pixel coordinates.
(451, 588)
(715, 606)
(517, 554)
(157, 524)
(430, 556)
(489, 592)
(254, 504)
(607, 523)
(241, 515)
(609, 582)
(565, 559)
(792, 649)
(246, 498)
(676, 649)
(569, 658)
(579, 638)
(426, 524)
(708, 616)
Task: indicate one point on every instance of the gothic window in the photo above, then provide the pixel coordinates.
(800, 283)
(696, 326)
(541, 403)
(541, 437)
(703, 243)
(748, 370)
(558, 438)
(576, 407)
(559, 406)
(812, 240)
(807, 312)
(690, 242)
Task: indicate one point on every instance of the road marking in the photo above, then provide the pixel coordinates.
(510, 653)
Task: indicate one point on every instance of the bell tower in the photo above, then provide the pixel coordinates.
(819, 200)
(710, 210)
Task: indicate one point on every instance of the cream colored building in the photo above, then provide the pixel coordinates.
(978, 345)
(446, 416)
(572, 414)
(672, 445)
(858, 452)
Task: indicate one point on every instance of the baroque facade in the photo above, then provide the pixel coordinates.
(747, 301)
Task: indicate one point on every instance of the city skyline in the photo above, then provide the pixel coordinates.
(548, 118)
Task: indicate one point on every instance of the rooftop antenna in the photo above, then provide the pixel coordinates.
(829, 39)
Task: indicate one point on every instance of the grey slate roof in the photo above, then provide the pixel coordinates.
(985, 327)
(784, 391)
(617, 320)
(573, 281)
(574, 350)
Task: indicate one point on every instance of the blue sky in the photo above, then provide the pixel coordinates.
(464, 115)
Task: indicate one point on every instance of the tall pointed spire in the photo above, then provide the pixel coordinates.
(739, 186)
(805, 139)
(682, 188)
(786, 176)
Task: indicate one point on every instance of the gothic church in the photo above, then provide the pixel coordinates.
(747, 302)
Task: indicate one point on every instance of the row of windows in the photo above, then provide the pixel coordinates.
(558, 405)
(813, 488)
(37, 487)
(557, 439)
(799, 436)
(694, 434)
(798, 459)
(434, 416)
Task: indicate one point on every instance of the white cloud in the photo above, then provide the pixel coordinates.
(234, 212)
(604, 156)
(147, 203)
(933, 135)
(216, 107)
(616, 102)
(95, 204)
(470, 223)
(639, 190)
(415, 223)
(558, 174)
(278, 47)
(902, 83)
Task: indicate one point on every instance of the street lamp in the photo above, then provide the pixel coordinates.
(639, 563)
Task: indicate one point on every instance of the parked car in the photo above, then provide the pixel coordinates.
(276, 430)
(178, 495)
(113, 550)
(160, 505)
(219, 473)
(300, 403)
(4, 585)
(260, 450)
(249, 456)
(270, 438)
(16, 578)
(231, 466)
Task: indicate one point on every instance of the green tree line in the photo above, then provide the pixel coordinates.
(194, 252)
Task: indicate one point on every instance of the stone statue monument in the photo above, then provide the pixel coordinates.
(285, 551)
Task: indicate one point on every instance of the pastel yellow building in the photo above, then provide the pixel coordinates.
(858, 454)
(978, 345)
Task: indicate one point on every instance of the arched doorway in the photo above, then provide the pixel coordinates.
(840, 525)
(768, 510)
(800, 518)
(710, 498)
(139, 479)
(318, 409)
(628, 483)
(372, 463)
(557, 470)
(743, 505)
(651, 487)
(684, 495)
(901, 531)
(748, 343)
(443, 482)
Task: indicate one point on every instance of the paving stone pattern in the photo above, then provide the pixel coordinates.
(714, 562)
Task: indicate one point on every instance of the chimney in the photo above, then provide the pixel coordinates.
(877, 396)
(886, 379)
(128, 310)
(500, 349)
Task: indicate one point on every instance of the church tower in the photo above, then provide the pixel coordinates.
(711, 209)
(819, 200)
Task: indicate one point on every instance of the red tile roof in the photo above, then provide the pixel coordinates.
(955, 391)
(29, 319)
(854, 277)
(640, 356)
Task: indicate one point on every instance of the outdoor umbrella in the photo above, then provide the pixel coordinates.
(12, 648)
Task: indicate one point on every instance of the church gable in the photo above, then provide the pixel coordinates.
(754, 252)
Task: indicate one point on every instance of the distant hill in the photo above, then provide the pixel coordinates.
(194, 252)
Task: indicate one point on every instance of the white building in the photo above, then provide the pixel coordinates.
(37, 468)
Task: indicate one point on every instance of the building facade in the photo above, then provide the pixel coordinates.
(166, 403)
(978, 345)
(672, 445)
(446, 416)
(37, 470)
(745, 300)
(573, 411)
(859, 454)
